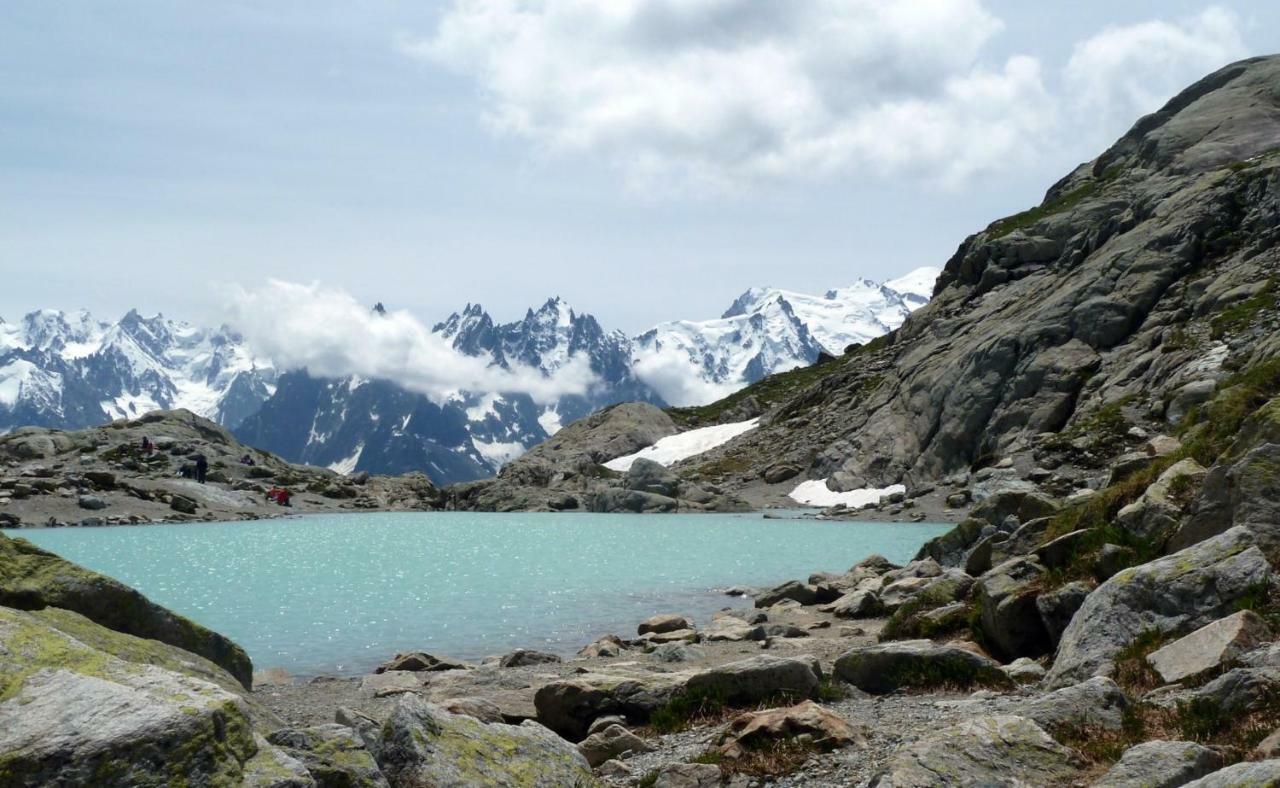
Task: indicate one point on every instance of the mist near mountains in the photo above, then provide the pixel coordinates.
(310, 373)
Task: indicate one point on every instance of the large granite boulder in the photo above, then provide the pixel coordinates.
(825, 729)
(612, 742)
(1096, 703)
(1245, 492)
(423, 745)
(333, 755)
(84, 705)
(757, 679)
(1210, 646)
(569, 706)
(1160, 764)
(33, 579)
(1010, 620)
(651, 477)
(1256, 774)
(1176, 593)
(794, 590)
(1000, 750)
(1023, 505)
(1159, 509)
(887, 667)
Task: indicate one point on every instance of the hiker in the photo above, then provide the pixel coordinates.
(202, 468)
(247, 460)
(146, 445)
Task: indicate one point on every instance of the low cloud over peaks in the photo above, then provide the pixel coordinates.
(328, 332)
(727, 93)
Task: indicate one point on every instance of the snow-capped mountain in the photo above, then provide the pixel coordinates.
(69, 370)
(357, 424)
(767, 330)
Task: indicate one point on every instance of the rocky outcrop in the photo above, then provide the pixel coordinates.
(1244, 492)
(888, 667)
(1096, 703)
(34, 579)
(1177, 593)
(84, 705)
(1160, 764)
(997, 750)
(421, 744)
(1211, 646)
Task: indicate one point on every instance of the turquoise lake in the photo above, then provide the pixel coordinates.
(338, 594)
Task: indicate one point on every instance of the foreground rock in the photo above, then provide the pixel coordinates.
(1183, 591)
(887, 667)
(423, 745)
(33, 579)
(758, 679)
(1260, 774)
(823, 729)
(1096, 703)
(1160, 764)
(83, 705)
(1000, 750)
(332, 754)
(1210, 646)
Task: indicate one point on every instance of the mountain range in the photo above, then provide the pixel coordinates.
(70, 370)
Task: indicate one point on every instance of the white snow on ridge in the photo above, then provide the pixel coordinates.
(348, 464)
(815, 493)
(498, 453)
(681, 446)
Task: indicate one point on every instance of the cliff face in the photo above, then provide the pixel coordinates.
(1143, 277)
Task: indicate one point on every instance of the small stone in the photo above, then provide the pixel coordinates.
(663, 623)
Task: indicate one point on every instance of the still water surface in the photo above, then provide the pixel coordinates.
(341, 593)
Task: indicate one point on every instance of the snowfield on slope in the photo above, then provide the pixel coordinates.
(684, 445)
(815, 493)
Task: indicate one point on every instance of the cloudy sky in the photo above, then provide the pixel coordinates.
(646, 159)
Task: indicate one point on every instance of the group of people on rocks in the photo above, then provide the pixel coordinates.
(198, 469)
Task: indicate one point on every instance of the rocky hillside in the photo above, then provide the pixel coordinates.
(1057, 338)
(103, 476)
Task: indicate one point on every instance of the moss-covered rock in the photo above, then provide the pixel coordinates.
(33, 579)
(82, 705)
(423, 745)
(996, 750)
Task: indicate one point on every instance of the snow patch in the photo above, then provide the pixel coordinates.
(815, 493)
(684, 445)
(550, 422)
(497, 453)
(347, 465)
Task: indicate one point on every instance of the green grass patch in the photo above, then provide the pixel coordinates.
(1209, 430)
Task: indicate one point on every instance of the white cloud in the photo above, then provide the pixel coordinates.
(1122, 73)
(670, 373)
(727, 92)
(331, 334)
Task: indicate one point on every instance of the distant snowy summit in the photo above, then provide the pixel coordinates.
(767, 330)
(70, 370)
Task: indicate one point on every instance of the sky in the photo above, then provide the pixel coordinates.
(645, 159)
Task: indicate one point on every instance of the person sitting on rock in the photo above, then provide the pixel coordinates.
(247, 460)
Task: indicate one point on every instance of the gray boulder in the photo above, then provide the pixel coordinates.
(332, 754)
(1000, 750)
(1158, 510)
(1010, 620)
(663, 623)
(1256, 774)
(415, 661)
(886, 667)
(1176, 593)
(651, 477)
(524, 657)
(1024, 505)
(1098, 702)
(422, 744)
(612, 499)
(612, 742)
(856, 604)
(1246, 492)
(33, 579)
(91, 502)
(756, 679)
(688, 775)
(793, 589)
(1210, 646)
(1057, 607)
(84, 705)
(1160, 764)
(570, 706)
